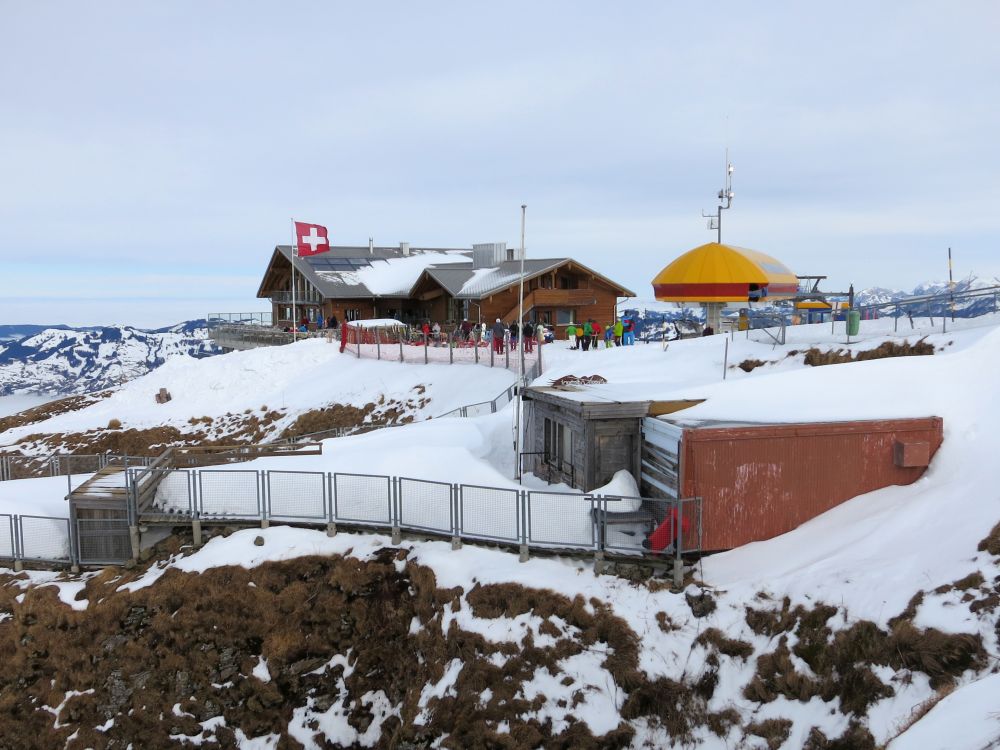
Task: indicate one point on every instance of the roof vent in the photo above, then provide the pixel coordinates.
(404, 248)
(489, 254)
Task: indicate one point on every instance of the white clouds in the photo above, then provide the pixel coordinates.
(188, 131)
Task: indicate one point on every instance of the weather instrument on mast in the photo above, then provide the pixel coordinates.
(725, 201)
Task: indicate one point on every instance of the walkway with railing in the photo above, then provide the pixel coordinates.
(523, 518)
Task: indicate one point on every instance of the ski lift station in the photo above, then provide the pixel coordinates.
(714, 275)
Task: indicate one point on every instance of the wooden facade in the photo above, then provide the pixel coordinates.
(566, 292)
(581, 443)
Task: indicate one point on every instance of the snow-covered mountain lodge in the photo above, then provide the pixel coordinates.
(442, 284)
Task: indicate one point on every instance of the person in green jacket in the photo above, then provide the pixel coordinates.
(571, 336)
(618, 331)
(588, 332)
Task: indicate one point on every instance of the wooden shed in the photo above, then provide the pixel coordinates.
(757, 481)
(576, 436)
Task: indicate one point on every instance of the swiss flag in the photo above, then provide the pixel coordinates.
(311, 239)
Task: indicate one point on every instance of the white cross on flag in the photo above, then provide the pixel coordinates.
(311, 239)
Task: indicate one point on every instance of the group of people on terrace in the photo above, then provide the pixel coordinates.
(500, 336)
(588, 335)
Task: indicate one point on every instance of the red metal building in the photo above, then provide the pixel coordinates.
(757, 481)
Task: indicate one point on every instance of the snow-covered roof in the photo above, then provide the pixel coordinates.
(354, 272)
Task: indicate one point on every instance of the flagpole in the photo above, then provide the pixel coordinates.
(520, 358)
(295, 254)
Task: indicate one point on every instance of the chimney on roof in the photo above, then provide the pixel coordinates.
(371, 246)
(404, 248)
(489, 254)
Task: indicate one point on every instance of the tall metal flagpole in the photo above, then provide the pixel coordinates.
(295, 254)
(520, 357)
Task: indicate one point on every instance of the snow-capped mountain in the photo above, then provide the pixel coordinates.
(80, 360)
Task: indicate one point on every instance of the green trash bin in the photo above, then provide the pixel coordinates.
(853, 322)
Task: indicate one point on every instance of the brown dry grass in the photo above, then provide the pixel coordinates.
(841, 661)
(991, 543)
(51, 409)
(817, 357)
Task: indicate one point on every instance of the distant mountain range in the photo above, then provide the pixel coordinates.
(657, 320)
(66, 360)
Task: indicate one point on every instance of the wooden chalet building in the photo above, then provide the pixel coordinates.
(437, 284)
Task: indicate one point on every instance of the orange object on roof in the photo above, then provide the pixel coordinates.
(723, 273)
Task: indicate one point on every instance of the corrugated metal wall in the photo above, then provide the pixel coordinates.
(761, 481)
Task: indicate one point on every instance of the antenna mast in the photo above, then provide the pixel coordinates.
(726, 196)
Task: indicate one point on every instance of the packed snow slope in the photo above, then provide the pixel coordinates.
(847, 629)
(79, 360)
(280, 383)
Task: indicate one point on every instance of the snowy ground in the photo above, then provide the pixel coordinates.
(867, 557)
(291, 379)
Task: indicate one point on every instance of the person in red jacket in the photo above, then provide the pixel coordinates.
(664, 536)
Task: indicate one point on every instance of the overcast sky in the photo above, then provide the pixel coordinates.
(152, 154)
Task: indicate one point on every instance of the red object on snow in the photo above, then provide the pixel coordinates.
(664, 535)
(311, 239)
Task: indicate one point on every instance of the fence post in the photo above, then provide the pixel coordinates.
(601, 521)
(74, 541)
(451, 349)
(378, 344)
(506, 350)
(18, 551)
(425, 348)
(401, 349)
(397, 533)
(193, 479)
(331, 525)
(493, 348)
(475, 340)
(456, 540)
(523, 552)
(263, 499)
(134, 537)
(678, 562)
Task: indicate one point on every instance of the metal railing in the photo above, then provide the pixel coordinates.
(36, 539)
(971, 303)
(62, 464)
(531, 519)
(401, 344)
(240, 318)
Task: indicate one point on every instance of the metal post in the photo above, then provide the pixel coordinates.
(725, 360)
(475, 347)
(425, 348)
(523, 551)
(520, 358)
(295, 254)
(493, 347)
(401, 349)
(678, 562)
(451, 349)
(378, 345)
